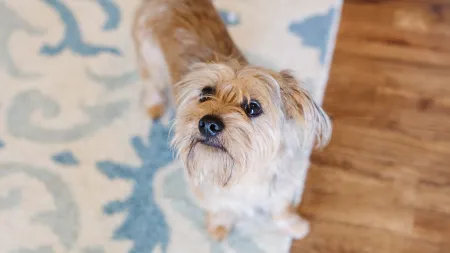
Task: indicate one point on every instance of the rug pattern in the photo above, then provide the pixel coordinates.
(82, 170)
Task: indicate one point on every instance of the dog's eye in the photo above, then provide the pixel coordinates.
(206, 93)
(253, 109)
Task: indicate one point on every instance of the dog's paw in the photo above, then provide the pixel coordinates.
(155, 111)
(293, 225)
(153, 102)
(298, 229)
(218, 233)
(219, 224)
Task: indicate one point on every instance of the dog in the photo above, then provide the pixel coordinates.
(242, 132)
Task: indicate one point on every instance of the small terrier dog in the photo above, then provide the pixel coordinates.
(243, 132)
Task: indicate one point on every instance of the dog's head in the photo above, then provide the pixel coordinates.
(232, 119)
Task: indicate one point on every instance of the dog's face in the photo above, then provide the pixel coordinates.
(231, 120)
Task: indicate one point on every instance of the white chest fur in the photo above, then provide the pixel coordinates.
(269, 192)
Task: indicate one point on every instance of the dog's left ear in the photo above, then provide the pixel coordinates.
(298, 105)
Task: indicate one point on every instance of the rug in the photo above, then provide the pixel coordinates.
(82, 169)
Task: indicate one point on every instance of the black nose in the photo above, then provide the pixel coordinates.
(210, 126)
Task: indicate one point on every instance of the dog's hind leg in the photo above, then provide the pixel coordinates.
(153, 70)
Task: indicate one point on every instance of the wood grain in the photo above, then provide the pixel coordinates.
(383, 184)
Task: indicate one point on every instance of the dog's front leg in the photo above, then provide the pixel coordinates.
(220, 223)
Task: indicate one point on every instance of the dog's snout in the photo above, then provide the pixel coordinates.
(210, 126)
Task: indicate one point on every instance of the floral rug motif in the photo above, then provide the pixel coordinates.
(82, 169)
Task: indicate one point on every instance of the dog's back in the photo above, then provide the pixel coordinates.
(186, 31)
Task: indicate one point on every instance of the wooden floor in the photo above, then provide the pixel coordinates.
(383, 184)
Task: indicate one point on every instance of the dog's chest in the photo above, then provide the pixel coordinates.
(250, 196)
(239, 199)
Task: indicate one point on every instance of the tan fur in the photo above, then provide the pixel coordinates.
(155, 111)
(257, 163)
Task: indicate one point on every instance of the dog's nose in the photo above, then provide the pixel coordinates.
(210, 126)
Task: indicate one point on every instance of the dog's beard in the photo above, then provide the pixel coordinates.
(210, 162)
(224, 160)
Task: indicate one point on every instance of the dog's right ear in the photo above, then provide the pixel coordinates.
(299, 106)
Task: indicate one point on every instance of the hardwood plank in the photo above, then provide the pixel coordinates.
(383, 184)
(414, 32)
(338, 237)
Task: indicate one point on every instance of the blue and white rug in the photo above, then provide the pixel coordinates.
(82, 170)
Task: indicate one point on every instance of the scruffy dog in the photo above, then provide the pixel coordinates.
(242, 132)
